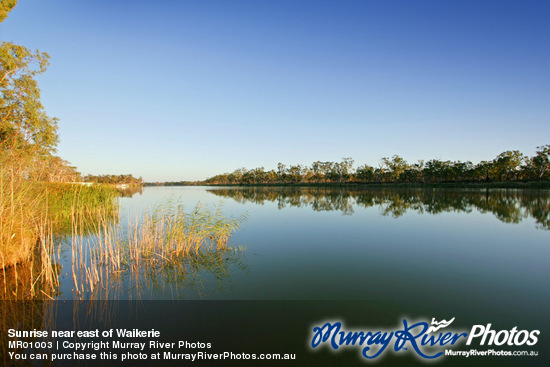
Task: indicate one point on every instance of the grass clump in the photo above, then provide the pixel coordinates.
(164, 246)
(32, 215)
(169, 232)
(19, 216)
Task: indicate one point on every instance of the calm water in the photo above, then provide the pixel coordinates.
(367, 257)
(384, 245)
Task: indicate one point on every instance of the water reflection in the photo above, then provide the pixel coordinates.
(130, 191)
(508, 205)
(21, 315)
(200, 274)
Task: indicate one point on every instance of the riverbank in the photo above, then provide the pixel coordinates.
(29, 211)
(472, 185)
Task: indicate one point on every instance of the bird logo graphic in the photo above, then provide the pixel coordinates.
(439, 325)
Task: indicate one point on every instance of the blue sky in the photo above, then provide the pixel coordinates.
(183, 90)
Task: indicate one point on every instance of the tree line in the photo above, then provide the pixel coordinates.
(127, 179)
(508, 166)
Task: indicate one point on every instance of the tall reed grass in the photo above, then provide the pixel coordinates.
(162, 247)
(33, 215)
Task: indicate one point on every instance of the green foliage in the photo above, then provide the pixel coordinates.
(5, 7)
(114, 179)
(24, 125)
(65, 201)
(365, 173)
(506, 167)
(539, 165)
(28, 208)
(395, 166)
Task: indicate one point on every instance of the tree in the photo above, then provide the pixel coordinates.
(396, 166)
(294, 173)
(5, 7)
(433, 170)
(325, 169)
(540, 163)
(506, 164)
(281, 172)
(365, 173)
(259, 174)
(23, 121)
(316, 169)
(482, 170)
(461, 170)
(345, 168)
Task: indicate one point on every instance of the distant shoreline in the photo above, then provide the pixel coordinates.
(473, 185)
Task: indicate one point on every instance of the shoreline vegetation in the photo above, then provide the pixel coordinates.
(165, 246)
(510, 169)
(40, 193)
(367, 185)
(32, 204)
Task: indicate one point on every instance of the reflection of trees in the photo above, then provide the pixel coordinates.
(128, 192)
(508, 205)
(320, 199)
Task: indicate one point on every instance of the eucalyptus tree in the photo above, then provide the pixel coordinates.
(410, 175)
(271, 176)
(482, 170)
(433, 170)
(414, 172)
(540, 163)
(317, 170)
(509, 165)
(5, 7)
(326, 168)
(333, 171)
(24, 125)
(281, 172)
(247, 177)
(380, 174)
(345, 168)
(462, 170)
(506, 164)
(259, 174)
(28, 136)
(365, 173)
(395, 166)
(53, 169)
(307, 174)
(294, 173)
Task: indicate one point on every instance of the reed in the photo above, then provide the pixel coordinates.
(163, 246)
(33, 216)
(19, 213)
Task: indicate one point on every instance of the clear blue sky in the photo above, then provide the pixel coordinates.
(183, 90)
